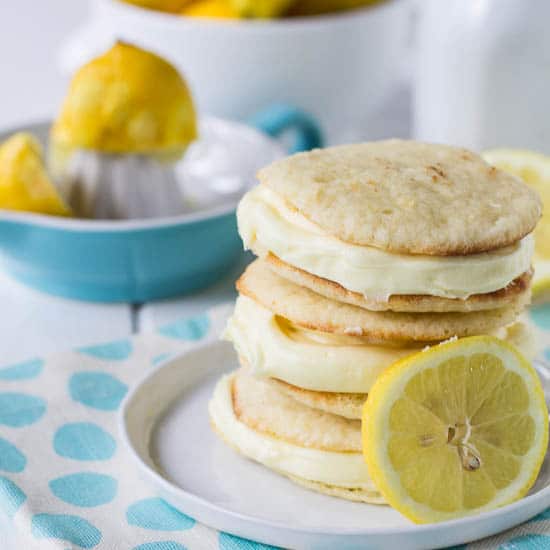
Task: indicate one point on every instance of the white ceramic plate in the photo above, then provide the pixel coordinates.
(164, 422)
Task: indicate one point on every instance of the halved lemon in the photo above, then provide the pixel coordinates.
(534, 169)
(456, 430)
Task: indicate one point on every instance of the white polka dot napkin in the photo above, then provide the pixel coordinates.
(66, 481)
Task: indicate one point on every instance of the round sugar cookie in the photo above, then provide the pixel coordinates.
(262, 407)
(348, 405)
(308, 309)
(407, 197)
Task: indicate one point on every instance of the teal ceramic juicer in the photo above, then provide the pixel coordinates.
(154, 195)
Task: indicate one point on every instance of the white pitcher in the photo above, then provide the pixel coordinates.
(483, 73)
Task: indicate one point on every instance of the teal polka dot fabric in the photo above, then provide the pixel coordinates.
(192, 331)
(97, 390)
(156, 515)
(22, 371)
(83, 441)
(112, 351)
(85, 489)
(11, 496)
(66, 481)
(20, 409)
(65, 527)
(11, 458)
(231, 542)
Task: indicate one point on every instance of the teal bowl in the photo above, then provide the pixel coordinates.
(138, 260)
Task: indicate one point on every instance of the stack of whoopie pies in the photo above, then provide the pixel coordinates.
(366, 254)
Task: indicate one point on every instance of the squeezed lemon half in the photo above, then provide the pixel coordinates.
(534, 169)
(455, 430)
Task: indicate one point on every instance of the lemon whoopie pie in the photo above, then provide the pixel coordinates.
(368, 255)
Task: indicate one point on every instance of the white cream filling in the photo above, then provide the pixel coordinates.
(268, 224)
(319, 361)
(347, 470)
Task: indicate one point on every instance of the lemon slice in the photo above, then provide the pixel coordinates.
(534, 169)
(455, 430)
(24, 183)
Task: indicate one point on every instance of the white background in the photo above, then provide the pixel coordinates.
(31, 33)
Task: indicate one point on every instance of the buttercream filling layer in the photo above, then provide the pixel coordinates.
(320, 361)
(268, 224)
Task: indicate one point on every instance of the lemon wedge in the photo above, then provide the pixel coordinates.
(24, 183)
(456, 430)
(534, 169)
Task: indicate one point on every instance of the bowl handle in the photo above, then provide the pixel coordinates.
(280, 118)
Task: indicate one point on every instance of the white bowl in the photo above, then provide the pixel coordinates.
(337, 67)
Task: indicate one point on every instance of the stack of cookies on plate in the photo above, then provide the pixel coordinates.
(367, 254)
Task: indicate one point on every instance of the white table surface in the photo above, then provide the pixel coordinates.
(31, 34)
